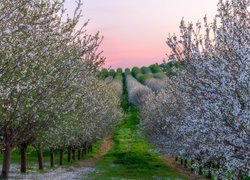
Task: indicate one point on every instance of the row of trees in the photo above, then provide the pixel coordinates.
(136, 91)
(204, 113)
(49, 95)
(152, 77)
(114, 80)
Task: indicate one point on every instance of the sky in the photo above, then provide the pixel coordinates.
(135, 31)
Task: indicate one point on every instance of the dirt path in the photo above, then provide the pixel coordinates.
(104, 148)
(179, 168)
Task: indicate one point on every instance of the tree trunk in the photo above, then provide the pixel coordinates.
(209, 176)
(192, 163)
(23, 148)
(220, 175)
(52, 157)
(61, 160)
(79, 154)
(200, 166)
(176, 158)
(91, 148)
(239, 176)
(73, 153)
(85, 148)
(69, 153)
(40, 158)
(181, 161)
(82, 151)
(6, 161)
(185, 163)
(200, 169)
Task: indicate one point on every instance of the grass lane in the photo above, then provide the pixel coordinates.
(131, 156)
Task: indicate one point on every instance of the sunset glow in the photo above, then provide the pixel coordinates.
(135, 31)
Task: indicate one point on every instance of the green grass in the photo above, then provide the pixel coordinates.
(132, 157)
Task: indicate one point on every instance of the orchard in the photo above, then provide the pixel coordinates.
(59, 102)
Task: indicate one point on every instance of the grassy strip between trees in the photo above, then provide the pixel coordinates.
(131, 156)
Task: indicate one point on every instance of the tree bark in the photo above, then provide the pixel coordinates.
(6, 161)
(23, 148)
(79, 153)
(192, 163)
(220, 175)
(91, 147)
(52, 157)
(61, 160)
(88, 145)
(185, 163)
(82, 151)
(40, 158)
(85, 148)
(69, 153)
(209, 176)
(73, 153)
(200, 169)
(239, 176)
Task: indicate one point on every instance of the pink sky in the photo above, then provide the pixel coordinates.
(135, 31)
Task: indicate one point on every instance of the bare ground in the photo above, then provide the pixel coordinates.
(182, 170)
(81, 170)
(104, 148)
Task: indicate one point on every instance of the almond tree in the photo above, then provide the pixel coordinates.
(41, 57)
(210, 93)
(136, 91)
